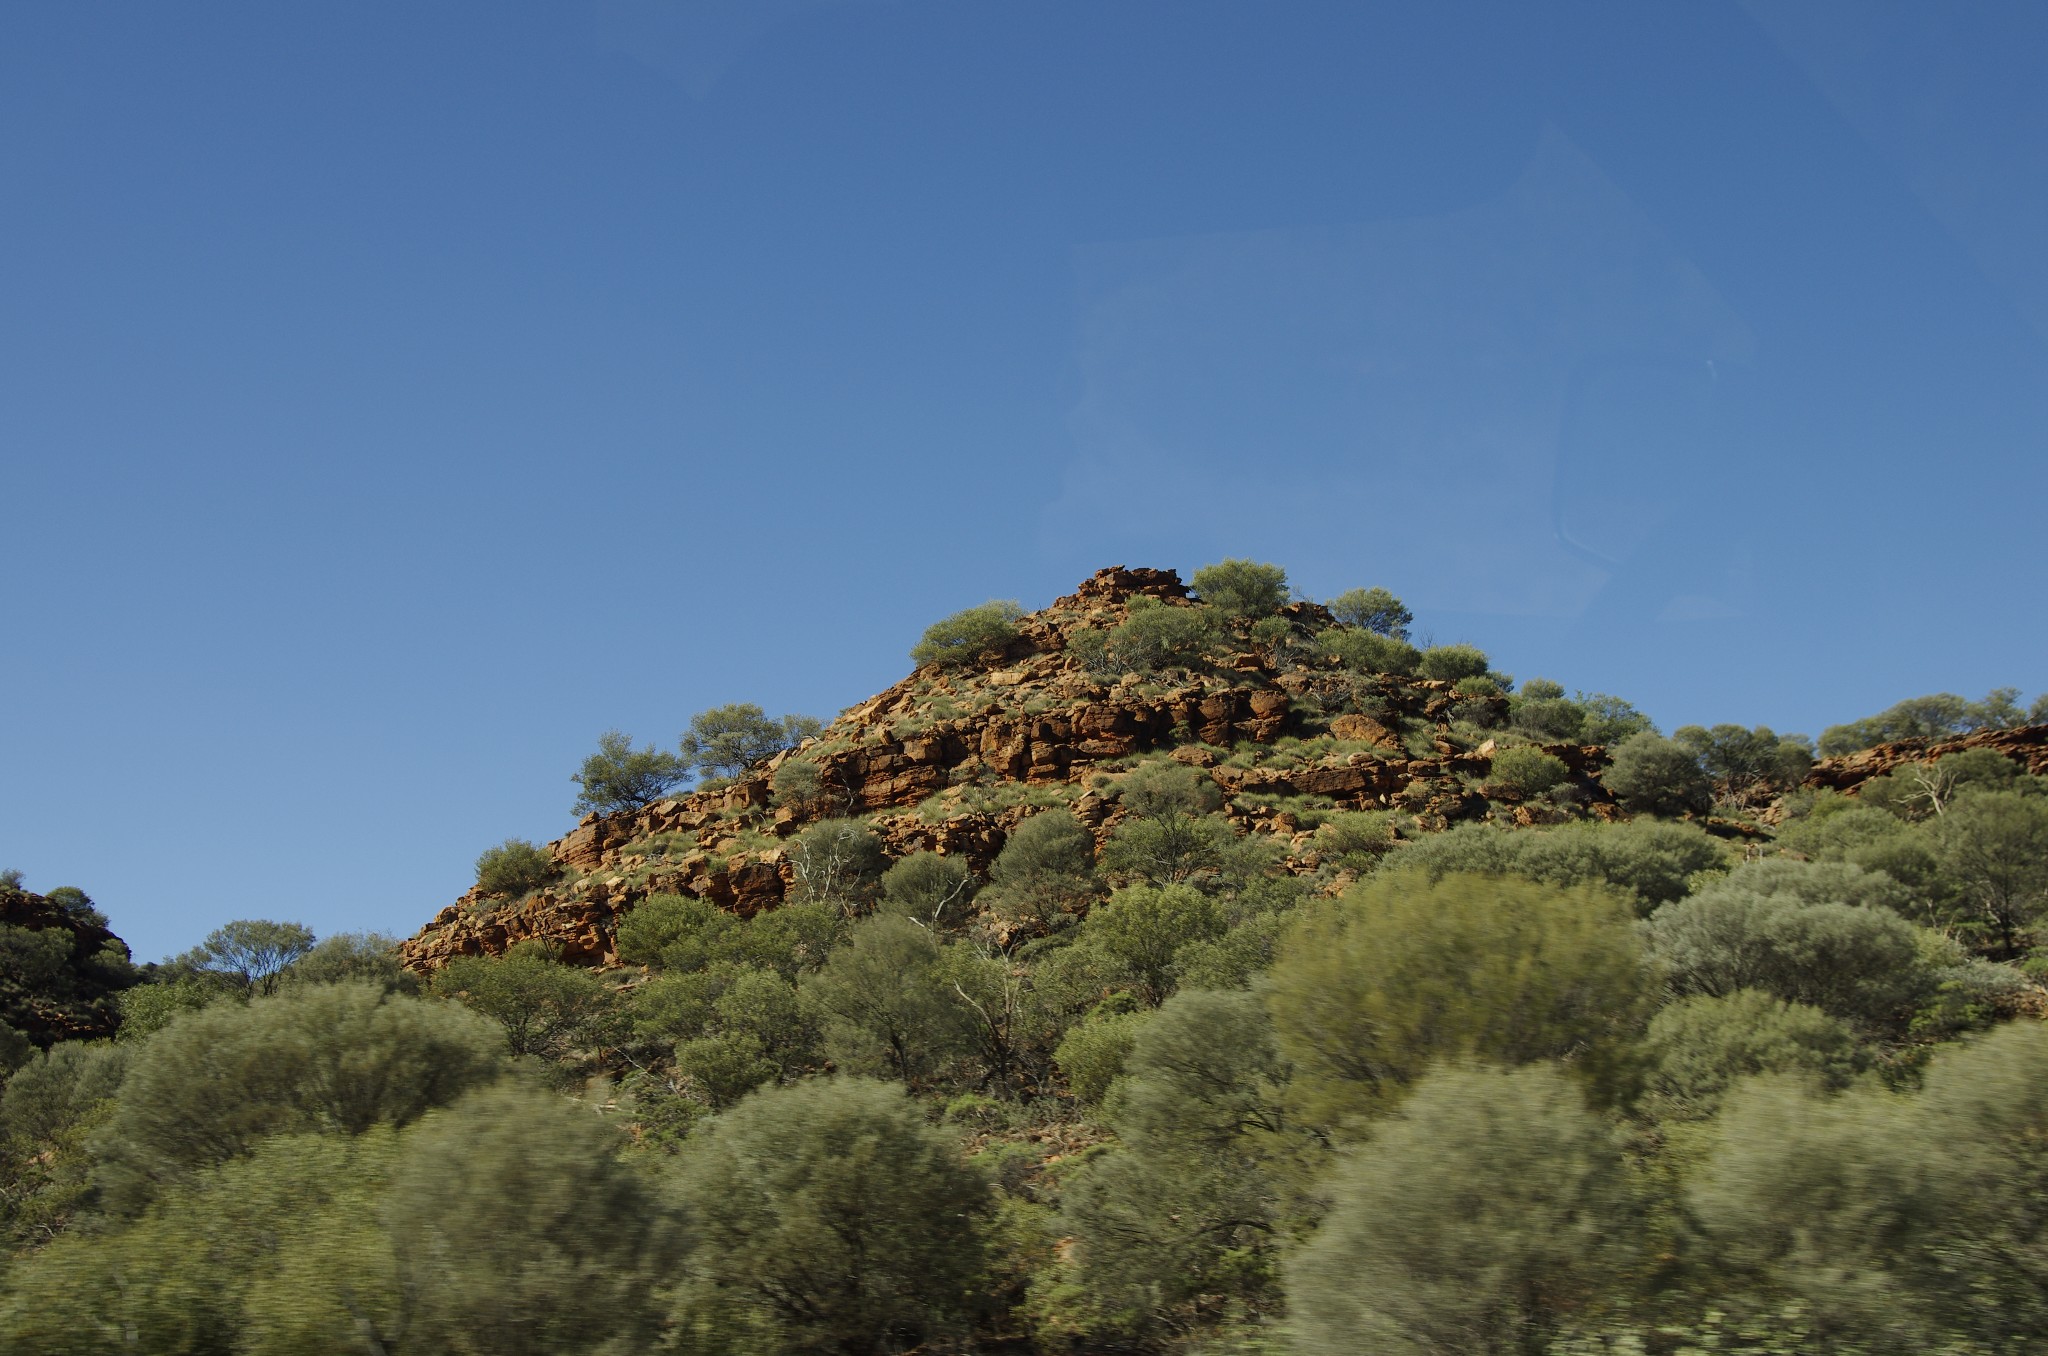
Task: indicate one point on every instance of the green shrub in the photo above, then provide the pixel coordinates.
(1364, 651)
(830, 1217)
(838, 861)
(1542, 709)
(1158, 635)
(1650, 862)
(1403, 973)
(1610, 720)
(1182, 1219)
(1241, 588)
(514, 869)
(1525, 772)
(340, 1058)
(1745, 764)
(1860, 964)
(1698, 1047)
(926, 888)
(1045, 872)
(546, 1007)
(1653, 775)
(1092, 1053)
(1357, 839)
(1449, 663)
(968, 634)
(1374, 610)
(1493, 1210)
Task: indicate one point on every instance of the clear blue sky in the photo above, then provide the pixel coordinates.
(393, 397)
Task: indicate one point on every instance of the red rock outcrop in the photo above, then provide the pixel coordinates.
(2026, 745)
(1033, 716)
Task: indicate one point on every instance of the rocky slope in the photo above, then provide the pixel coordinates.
(59, 970)
(950, 759)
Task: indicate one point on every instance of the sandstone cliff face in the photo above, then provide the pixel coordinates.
(2027, 745)
(942, 761)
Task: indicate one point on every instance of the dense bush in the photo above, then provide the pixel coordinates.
(1746, 764)
(1657, 776)
(1902, 1224)
(1045, 872)
(928, 889)
(1699, 1047)
(1185, 1215)
(1494, 1207)
(1403, 973)
(1524, 772)
(830, 1218)
(1861, 964)
(333, 1058)
(1241, 588)
(1448, 663)
(1156, 635)
(514, 869)
(1368, 652)
(515, 1228)
(1542, 709)
(545, 1007)
(969, 634)
(1650, 862)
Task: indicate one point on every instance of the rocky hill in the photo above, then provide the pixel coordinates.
(951, 758)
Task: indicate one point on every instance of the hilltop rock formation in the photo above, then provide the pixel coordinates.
(951, 759)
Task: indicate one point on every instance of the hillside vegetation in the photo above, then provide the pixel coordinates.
(1182, 967)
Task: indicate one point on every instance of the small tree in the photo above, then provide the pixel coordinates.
(1993, 845)
(338, 1058)
(1241, 588)
(969, 634)
(727, 740)
(1542, 709)
(1374, 610)
(252, 953)
(619, 777)
(1745, 764)
(522, 1231)
(514, 869)
(544, 1006)
(1045, 871)
(884, 1002)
